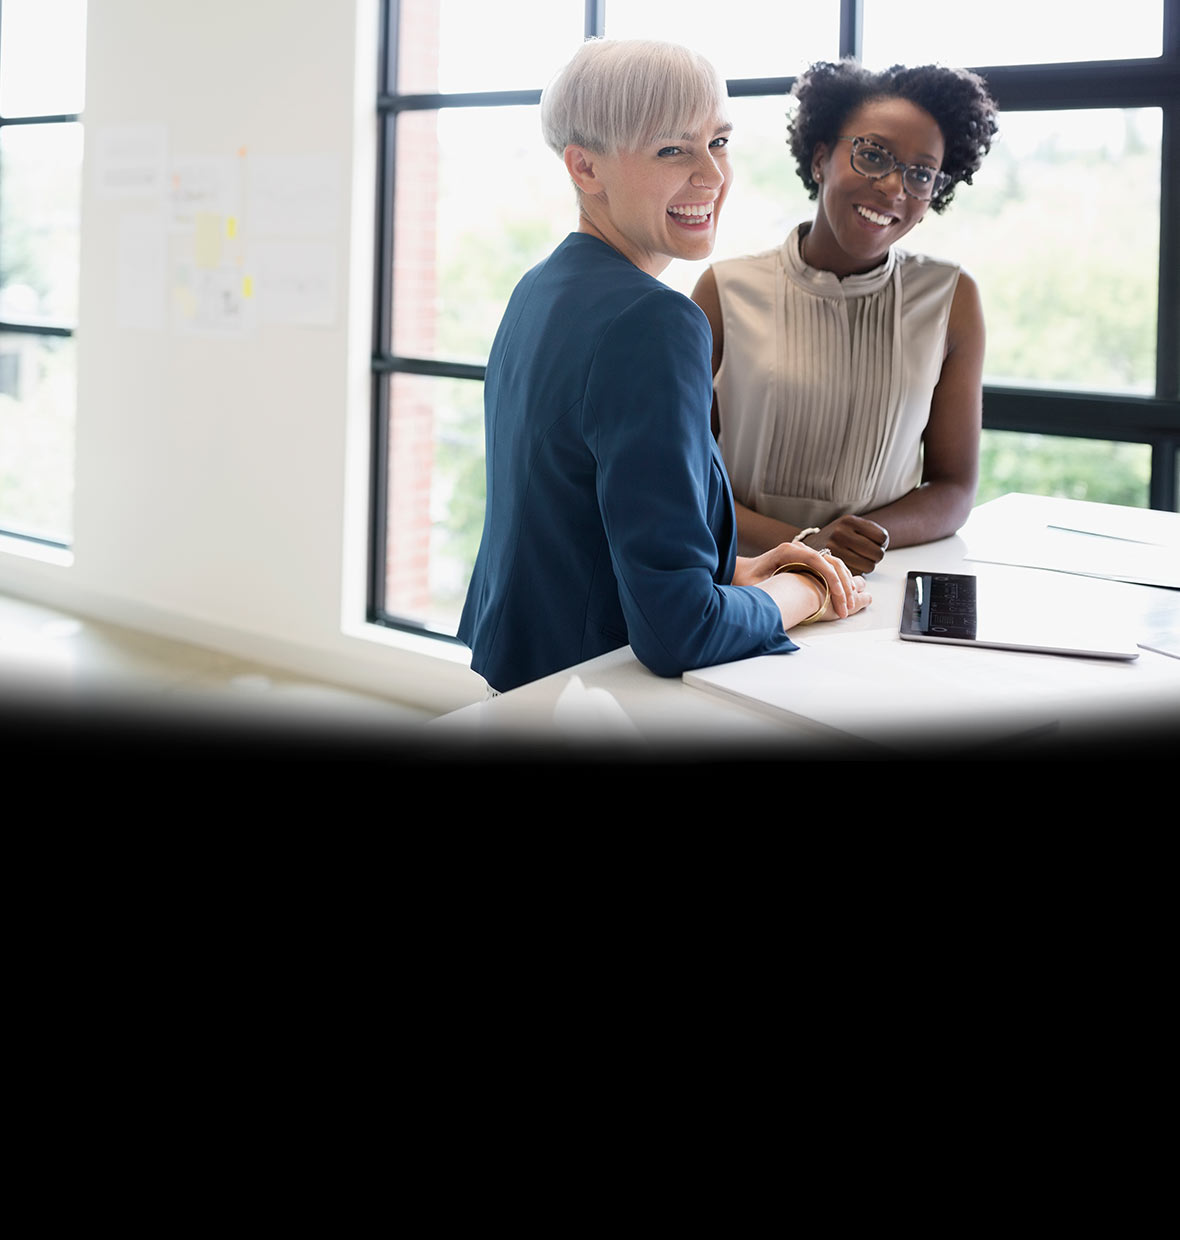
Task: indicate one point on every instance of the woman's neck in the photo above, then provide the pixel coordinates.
(653, 264)
(811, 249)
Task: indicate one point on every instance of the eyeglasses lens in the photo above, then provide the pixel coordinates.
(876, 162)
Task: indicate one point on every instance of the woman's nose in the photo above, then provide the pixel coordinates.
(895, 189)
(708, 175)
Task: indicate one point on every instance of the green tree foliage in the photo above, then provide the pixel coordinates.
(1109, 473)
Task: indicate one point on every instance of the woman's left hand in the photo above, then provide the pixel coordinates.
(751, 570)
(859, 541)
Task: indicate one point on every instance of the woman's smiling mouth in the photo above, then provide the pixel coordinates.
(875, 217)
(696, 213)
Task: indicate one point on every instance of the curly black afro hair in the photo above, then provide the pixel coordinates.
(959, 100)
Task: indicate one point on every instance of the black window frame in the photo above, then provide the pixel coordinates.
(1128, 83)
(24, 326)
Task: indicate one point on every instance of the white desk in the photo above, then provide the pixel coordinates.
(855, 690)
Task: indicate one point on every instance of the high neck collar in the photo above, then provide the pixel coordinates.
(827, 283)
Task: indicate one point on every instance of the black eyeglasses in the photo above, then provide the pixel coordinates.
(874, 161)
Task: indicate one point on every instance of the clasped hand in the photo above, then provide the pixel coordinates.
(848, 591)
(859, 542)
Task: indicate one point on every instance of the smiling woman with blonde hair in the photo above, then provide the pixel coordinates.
(609, 517)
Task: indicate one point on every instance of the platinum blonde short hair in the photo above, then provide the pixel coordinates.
(620, 94)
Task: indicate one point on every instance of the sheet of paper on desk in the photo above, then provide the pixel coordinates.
(837, 684)
(1137, 545)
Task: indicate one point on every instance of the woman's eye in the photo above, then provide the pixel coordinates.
(668, 150)
(922, 175)
(719, 142)
(872, 156)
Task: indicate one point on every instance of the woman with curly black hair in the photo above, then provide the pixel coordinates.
(848, 372)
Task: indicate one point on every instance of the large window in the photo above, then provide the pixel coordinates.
(1072, 229)
(42, 78)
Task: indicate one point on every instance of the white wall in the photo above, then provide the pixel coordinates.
(221, 477)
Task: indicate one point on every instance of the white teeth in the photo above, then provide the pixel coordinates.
(875, 217)
(696, 212)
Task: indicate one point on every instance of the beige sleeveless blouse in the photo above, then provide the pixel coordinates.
(825, 383)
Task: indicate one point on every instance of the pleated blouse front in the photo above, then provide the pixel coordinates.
(825, 383)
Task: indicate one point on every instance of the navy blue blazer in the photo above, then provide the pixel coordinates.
(609, 514)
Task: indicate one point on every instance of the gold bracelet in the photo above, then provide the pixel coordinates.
(811, 572)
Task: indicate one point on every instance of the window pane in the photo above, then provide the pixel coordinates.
(472, 45)
(750, 38)
(1105, 472)
(37, 435)
(436, 497)
(1061, 229)
(42, 57)
(480, 199)
(1009, 32)
(40, 204)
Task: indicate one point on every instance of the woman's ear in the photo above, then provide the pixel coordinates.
(819, 156)
(580, 164)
